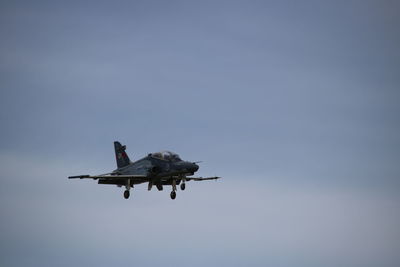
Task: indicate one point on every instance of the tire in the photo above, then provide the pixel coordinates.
(173, 195)
(183, 186)
(126, 194)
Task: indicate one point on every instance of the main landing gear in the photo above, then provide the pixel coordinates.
(128, 187)
(173, 193)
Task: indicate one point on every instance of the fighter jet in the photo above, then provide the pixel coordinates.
(159, 169)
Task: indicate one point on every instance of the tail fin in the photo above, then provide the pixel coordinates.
(120, 155)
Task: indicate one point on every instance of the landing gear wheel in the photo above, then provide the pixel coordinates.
(183, 186)
(126, 194)
(173, 195)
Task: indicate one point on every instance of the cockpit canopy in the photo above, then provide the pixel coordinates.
(166, 155)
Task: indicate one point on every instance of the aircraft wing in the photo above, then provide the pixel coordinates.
(105, 176)
(201, 178)
(139, 178)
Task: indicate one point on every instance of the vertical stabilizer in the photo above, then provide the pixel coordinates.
(120, 155)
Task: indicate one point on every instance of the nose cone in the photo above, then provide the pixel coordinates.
(193, 167)
(196, 167)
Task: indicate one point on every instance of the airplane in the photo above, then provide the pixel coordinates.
(159, 169)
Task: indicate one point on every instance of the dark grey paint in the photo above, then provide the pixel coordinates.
(161, 168)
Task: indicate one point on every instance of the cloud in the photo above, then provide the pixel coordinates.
(229, 222)
(295, 105)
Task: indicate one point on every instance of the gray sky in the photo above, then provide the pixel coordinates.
(294, 103)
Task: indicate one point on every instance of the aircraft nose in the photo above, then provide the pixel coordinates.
(194, 167)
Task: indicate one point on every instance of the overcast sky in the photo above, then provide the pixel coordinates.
(294, 103)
